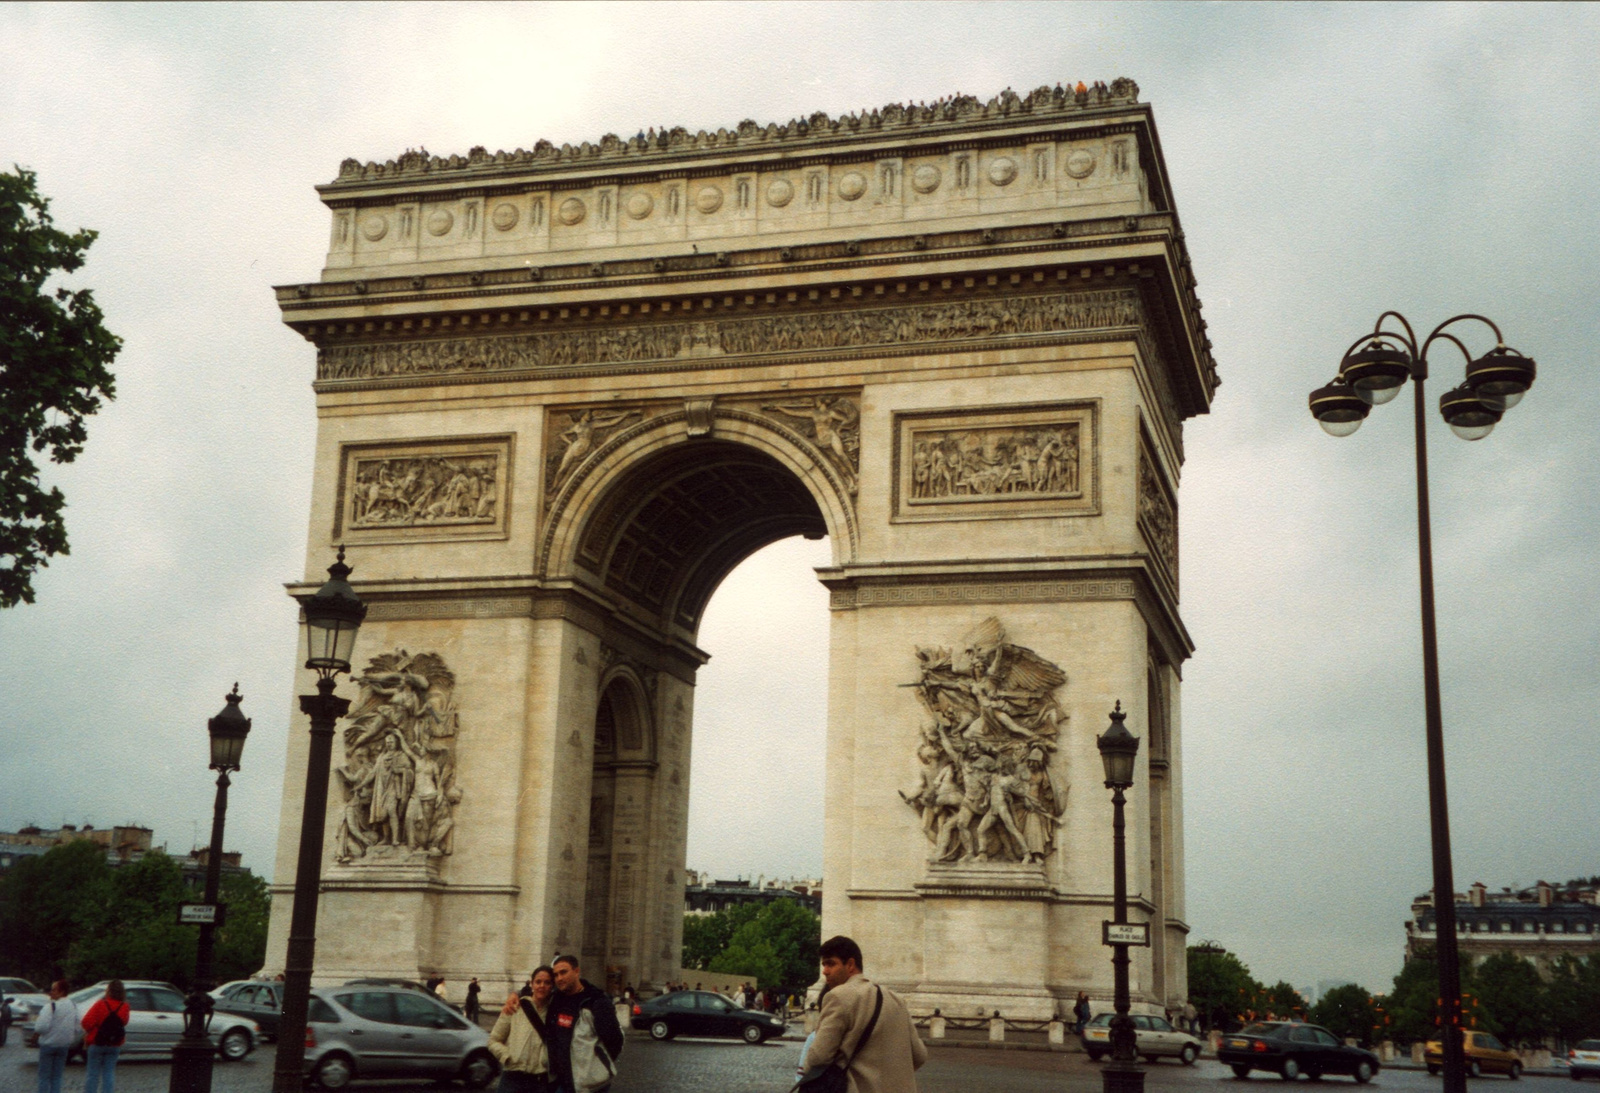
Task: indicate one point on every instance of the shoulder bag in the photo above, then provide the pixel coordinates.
(831, 1078)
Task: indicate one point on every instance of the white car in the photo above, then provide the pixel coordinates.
(23, 998)
(1155, 1037)
(155, 1022)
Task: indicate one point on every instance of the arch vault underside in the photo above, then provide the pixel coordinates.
(563, 393)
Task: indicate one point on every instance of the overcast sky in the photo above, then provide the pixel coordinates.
(1328, 162)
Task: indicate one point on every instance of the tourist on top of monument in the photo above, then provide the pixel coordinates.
(520, 1039)
(56, 1027)
(863, 1028)
(585, 1039)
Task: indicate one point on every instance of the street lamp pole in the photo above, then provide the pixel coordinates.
(1371, 374)
(332, 617)
(1118, 749)
(193, 1055)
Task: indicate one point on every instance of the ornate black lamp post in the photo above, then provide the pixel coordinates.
(332, 617)
(1118, 749)
(1373, 370)
(193, 1055)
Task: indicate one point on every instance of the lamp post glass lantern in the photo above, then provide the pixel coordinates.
(193, 1055)
(333, 616)
(1373, 371)
(1119, 748)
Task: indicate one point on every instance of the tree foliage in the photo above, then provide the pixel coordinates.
(1514, 998)
(1348, 1011)
(55, 357)
(69, 913)
(775, 945)
(1221, 987)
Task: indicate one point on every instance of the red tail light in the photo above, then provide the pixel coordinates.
(1258, 1046)
(637, 1010)
(311, 1037)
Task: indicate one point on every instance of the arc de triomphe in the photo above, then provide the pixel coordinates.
(563, 392)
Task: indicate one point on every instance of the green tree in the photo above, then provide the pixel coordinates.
(778, 947)
(1515, 999)
(241, 942)
(137, 935)
(1574, 998)
(55, 358)
(49, 902)
(704, 936)
(1281, 999)
(1220, 985)
(1348, 1011)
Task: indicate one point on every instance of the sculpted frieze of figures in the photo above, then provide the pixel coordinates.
(398, 778)
(640, 343)
(424, 491)
(1158, 516)
(987, 786)
(1002, 461)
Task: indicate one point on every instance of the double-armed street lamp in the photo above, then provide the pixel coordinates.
(193, 1055)
(1118, 750)
(332, 617)
(1374, 369)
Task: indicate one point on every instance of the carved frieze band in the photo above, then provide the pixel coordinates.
(1158, 514)
(424, 490)
(979, 592)
(645, 343)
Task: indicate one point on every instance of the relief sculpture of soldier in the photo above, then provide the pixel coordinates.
(986, 790)
(422, 491)
(399, 769)
(1036, 460)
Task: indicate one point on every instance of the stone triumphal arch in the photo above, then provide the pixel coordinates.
(563, 392)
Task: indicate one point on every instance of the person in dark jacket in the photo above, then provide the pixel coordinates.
(585, 1037)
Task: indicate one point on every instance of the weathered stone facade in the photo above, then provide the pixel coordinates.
(563, 392)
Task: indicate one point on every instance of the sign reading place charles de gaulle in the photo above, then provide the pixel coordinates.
(1125, 933)
(201, 914)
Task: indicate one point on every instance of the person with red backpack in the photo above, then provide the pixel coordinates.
(105, 1028)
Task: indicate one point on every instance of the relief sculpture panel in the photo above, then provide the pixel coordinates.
(424, 489)
(1158, 514)
(999, 462)
(987, 788)
(398, 778)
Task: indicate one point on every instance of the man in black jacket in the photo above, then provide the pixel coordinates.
(585, 1036)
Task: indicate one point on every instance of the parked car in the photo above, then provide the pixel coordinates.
(260, 1000)
(702, 1013)
(1583, 1060)
(1290, 1049)
(368, 1031)
(1155, 1038)
(1485, 1055)
(406, 984)
(23, 997)
(155, 1022)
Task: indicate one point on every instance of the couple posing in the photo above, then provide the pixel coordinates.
(560, 1035)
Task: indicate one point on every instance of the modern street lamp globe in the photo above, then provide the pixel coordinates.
(1338, 409)
(1118, 748)
(1377, 372)
(1501, 377)
(333, 616)
(1466, 415)
(228, 730)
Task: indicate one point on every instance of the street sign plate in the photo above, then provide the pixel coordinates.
(1125, 933)
(200, 914)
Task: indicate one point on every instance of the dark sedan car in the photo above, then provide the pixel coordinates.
(702, 1013)
(259, 1000)
(1290, 1049)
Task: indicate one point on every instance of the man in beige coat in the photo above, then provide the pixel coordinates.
(893, 1051)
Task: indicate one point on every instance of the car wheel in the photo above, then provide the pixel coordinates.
(333, 1071)
(1095, 1055)
(1473, 1069)
(1433, 1069)
(1188, 1055)
(1363, 1072)
(1241, 1072)
(1290, 1071)
(479, 1070)
(1313, 1074)
(660, 1030)
(1515, 1072)
(752, 1034)
(1151, 1059)
(234, 1045)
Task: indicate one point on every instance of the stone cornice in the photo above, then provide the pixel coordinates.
(957, 115)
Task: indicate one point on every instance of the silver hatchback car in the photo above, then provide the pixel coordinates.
(390, 1032)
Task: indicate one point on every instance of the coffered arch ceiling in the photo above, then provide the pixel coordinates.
(669, 530)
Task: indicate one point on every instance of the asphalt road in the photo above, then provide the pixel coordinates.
(721, 1066)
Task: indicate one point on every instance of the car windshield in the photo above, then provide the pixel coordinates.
(1588, 1045)
(1102, 1019)
(1261, 1028)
